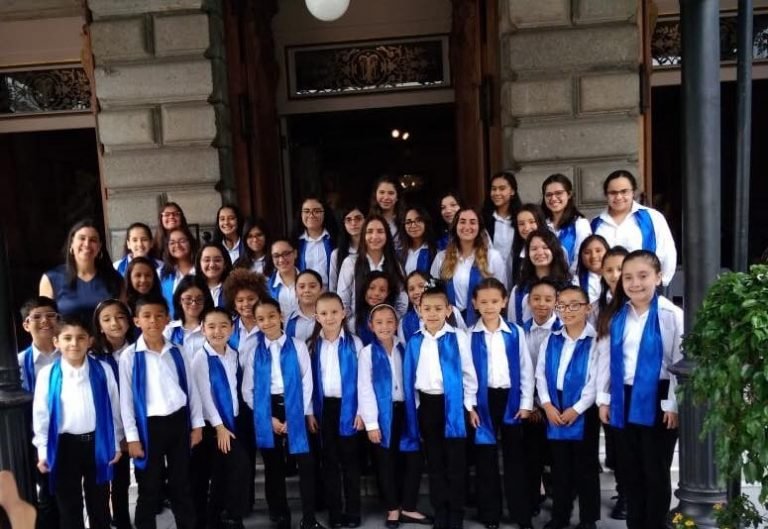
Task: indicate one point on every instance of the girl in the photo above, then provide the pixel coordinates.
(140, 280)
(563, 217)
(611, 275)
(625, 222)
(529, 218)
(229, 226)
(640, 334)
(376, 252)
(385, 202)
(466, 261)
(284, 413)
(349, 239)
(243, 289)
(565, 382)
(254, 254)
(138, 243)
(213, 263)
(380, 394)
(590, 268)
(316, 237)
(113, 324)
(500, 211)
(504, 398)
(282, 282)
(190, 300)
(334, 368)
(543, 257)
(419, 248)
(439, 384)
(301, 322)
(170, 217)
(178, 261)
(450, 204)
(415, 284)
(374, 290)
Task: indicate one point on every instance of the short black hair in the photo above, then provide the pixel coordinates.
(73, 320)
(149, 299)
(215, 310)
(435, 288)
(37, 302)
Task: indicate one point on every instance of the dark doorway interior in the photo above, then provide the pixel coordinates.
(667, 164)
(50, 181)
(339, 155)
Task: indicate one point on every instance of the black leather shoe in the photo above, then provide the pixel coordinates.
(619, 511)
(310, 524)
(491, 525)
(351, 521)
(335, 521)
(282, 522)
(427, 520)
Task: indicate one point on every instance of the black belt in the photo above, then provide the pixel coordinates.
(79, 437)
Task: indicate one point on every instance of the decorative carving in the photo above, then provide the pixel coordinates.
(44, 91)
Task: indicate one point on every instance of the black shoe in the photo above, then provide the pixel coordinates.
(619, 511)
(391, 524)
(491, 525)
(427, 520)
(335, 521)
(555, 525)
(310, 524)
(587, 525)
(351, 521)
(281, 522)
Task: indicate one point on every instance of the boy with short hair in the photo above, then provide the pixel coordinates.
(76, 420)
(162, 415)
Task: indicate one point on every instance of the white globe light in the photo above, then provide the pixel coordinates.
(327, 10)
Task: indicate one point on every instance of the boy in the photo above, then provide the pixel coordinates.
(76, 420)
(162, 415)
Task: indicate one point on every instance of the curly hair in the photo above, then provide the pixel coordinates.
(243, 279)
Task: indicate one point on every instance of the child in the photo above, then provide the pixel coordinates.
(113, 325)
(504, 398)
(449, 204)
(565, 382)
(243, 289)
(76, 419)
(334, 368)
(415, 283)
(611, 275)
(229, 225)
(141, 279)
(138, 243)
(315, 237)
(590, 268)
(178, 261)
(374, 290)
(380, 395)
(281, 284)
(254, 254)
(385, 202)
(640, 334)
(528, 219)
(301, 322)
(439, 382)
(162, 415)
(500, 211)
(212, 262)
(39, 315)
(349, 239)
(190, 300)
(563, 218)
(419, 249)
(216, 370)
(279, 378)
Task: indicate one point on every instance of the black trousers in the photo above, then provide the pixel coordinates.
(47, 511)
(75, 474)
(575, 467)
(118, 492)
(446, 462)
(274, 472)
(488, 481)
(168, 444)
(399, 472)
(247, 436)
(341, 463)
(644, 456)
(536, 450)
(200, 468)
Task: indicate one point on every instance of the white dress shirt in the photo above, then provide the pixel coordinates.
(249, 340)
(193, 338)
(333, 279)
(258, 264)
(593, 287)
(460, 324)
(330, 367)
(314, 255)
(304, 324)
(287, 295)
(512, 307)
(583, 230)
(78, 413)
(39, 360)
(347, 287)
(429, 374)
(163, 394)
(412, 258)
(461, 273)
(201, 372)
(216, 294)
(671, 325)
(537, 335)
(234, 252)
(368, 407)
(503, 235)
(628, 235)
(589, 391)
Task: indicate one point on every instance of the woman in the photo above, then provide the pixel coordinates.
(178, 261)
(501, 210)
(86, 278)
(419, 249)
(315, 237)
(282, 283)
(349, 239)
(563, 218)
(170, 217)
(229, 226)
(257, 242)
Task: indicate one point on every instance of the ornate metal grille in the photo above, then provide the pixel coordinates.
(44, 91)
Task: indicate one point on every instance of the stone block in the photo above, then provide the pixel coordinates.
(539, 13)
(125, 208)
(181, 34)
(532, 98)
(130, 128)
(575, 139)
(530, 177)
(597, 11)
(569, 49)
(199, 204)
(188, 124)
(161, 167)
(154, 83)
(620, 91)
(108, 8)
(593, 175)
(119, 39)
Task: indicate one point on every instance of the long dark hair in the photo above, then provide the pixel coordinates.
(102, 262)
(224, 254)
(329, 220)
(169, 261)
(189, 282)
(100, 343)
(160, 235)
(344, 241)
(443, 228)
(518, 243)
(571, 212)
(580, 266)
(131, 294)
(391, 264)
(514, 202)
(558, 269)
(602, 301)
(375, 209)
(429, 233)
(248, 256)
(361, 307)
(218, 236)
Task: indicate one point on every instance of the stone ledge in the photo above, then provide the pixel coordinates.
(169, 166)
(108, 8)
(124, 39)
(131, 128)
(188, 124)
(600, 11)
(181, 34)
(539, 13)
(593, 174)
(531, 98)
(614, 91)
(530, 177)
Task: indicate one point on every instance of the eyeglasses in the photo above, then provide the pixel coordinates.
(189, 300)
(570, 307)
(284, 255)
(179, 242)
(413, 222)
(40, 316)
(353, 218)
(212, 260)
(255, 236)
(553, 194)
(167, 214)
(315, 212)
(620, 192)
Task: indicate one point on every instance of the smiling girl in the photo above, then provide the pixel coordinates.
(212, 262)
(501, 210)
(254, 255)
(449, 204)
(178, 261)
(138, 243)
(529, 218)
(563, 218)
(316, 237)
(590, 268)
(229, 225)
(349, 240)
(419, 249)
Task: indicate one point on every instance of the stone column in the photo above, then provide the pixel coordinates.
(570, 92)
(163, 120)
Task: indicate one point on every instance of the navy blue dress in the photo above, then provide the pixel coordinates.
(80, 300)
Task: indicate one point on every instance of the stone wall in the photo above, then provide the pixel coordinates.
(160, 79)
(570, 92)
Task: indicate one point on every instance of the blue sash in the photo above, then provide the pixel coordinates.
(222, 396)
(486, 433)
(573, 384)
(167, 288)
(442, 242)
(645, 388)
(520, 293)
(122, 266)
(453, 389)
(348, 372)
(112, 363)
(234, 338)
(293, 394)
(411, 323)
(290, 327)
(274, 289)
(104, 439)
(423, 263)
(302, 262)
(528, 324)
(139, 387)
(381, 372)
(567, 238)
(644, 222)
(474, 278)
(364, 332)
(28, 367)
(177, 335)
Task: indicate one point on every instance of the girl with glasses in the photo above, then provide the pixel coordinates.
(563, 218)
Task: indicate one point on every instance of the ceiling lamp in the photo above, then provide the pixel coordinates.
(327, 10)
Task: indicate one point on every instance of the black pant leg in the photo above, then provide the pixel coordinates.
(331, 457)
(247, 436)
(586, 468)
(229, 481)
(96, 494)
(562, 480)
(535, 441)
(47, 510)
(201, 460)
(274, 479)
(151, 477)
(431, 416)
(306, 466)
(516, 484)
(350, 470)
(657, 448)
(119, 492)
(178, 460)
(69, 483)
(487, 477)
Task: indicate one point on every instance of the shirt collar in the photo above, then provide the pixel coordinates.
(280, 341)
(36, 353)
(499, 217)
(279, 280)
(307, 238)
(446, 328)
(588, 332)
(547, 325)
(374, 266)
(341, 335)
(503, 327)
(70, 371)
(298, 313)
(210, 352)
(141, 345)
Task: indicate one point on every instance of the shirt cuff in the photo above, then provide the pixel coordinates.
(580, 407)
(198, 423)
(526, 404)
(470, 402)
(669, 405)
(371, 426)
(603, 399)
(131, 435)
(42, 453)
